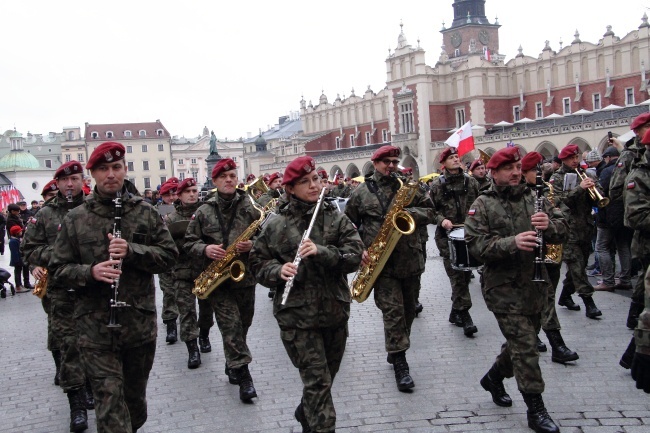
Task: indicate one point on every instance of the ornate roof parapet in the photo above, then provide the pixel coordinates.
(576, 37)
(644, 21)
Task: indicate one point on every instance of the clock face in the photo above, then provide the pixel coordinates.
(456, 40)
(484, 37)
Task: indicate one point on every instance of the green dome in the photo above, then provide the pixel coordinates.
(18, 159)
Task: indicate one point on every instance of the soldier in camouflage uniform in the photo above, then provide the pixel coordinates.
(186, 268)
(169, 305)
(275, 189)
(313, 322)
(37, 248)
(572, 192)
(394, 288)
(631, 154)
(500, 230)
(452, 193)
(214, 226)
(479, 172)
(88, 258)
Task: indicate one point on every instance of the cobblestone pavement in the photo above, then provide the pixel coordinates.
(591, 396)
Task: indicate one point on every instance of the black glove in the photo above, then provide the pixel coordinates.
(641, 371)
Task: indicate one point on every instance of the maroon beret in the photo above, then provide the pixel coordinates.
(185, 184)
(531, 160)
(50, 186)
(70, 167)
(225, 164)
(109, 151)
(646, 138)
(407, 171)
(476, 163)
(173, 180)
(250, 177)
(168, 188)
(504, 156)
(298, 168)
(274, 176)
(447, 153)
(323, 174)
(384, 152)
(569, 150)
(640, 120)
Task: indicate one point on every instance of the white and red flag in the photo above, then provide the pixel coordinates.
(462, 139)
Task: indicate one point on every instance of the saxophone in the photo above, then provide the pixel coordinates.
(553, 251)
(229, 268)
(397, 222)
(40, 288)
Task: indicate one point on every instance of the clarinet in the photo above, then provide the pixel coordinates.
(117, 233)
(539, 207)
(68, 197)
(305, 236)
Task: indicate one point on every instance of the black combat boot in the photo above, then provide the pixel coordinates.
(271, 293)
(56, 354)
(455, 318)
(538, 418)
(565, 300)
(559, 352)
(3, 293)
(418, 308)
(246, 388)
(468, 324)
(172, 332)
(628, 356)
(194, 359)
(402, 375)
(302, 419)
(492, 382)
(233, 375)
(78, 414)
(636, 308)
(592, 311)
(204, 340)
(541, 347)
(90, 400)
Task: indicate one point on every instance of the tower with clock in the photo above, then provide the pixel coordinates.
(470, 32)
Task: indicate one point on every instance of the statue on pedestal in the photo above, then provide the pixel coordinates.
(213, 144)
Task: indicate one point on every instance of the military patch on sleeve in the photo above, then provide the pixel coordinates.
(471, 212)
(631, 185)
(552, 180)
(32, 220)
(620, 164)
(58, 229)
(193, 216)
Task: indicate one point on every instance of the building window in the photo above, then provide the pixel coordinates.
(351, 142)
(129, 166)
(161, 164)
(406, 117)
(129, 149)
(94, 135)
(180, 161)
(80, 157)
(48, 163)
(629, 96)
(109, 134)
(193, 161)
(144, 147)
(367, 138)
(159, 132)
(147, 183)
(127, 133)
(142, 133)
(596, 100)
(460, 117)
(68, 158)
(516, 113)
(338, 142)
(161, 147)
(71, 135)
(456, 52)
(384, 135)
(234, 159)
(163, 179)
(132, 180)
(539, 111)
(181, 176)
(195, 174)
(145, 165)
(566, 104)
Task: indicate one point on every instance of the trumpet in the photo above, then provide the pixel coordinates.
(593, 192)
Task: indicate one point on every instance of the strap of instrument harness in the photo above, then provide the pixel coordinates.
(446, 191)
(373, 188)
(225, 230)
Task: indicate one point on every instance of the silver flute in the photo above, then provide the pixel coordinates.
(305, 236)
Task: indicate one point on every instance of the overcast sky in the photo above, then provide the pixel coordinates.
(236, 66)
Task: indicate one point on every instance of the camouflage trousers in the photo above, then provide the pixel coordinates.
(317, 354)
(206, 314)
(72, 375)
(394, 297)
(416, 291)
(169, 307)
(234, 309)
(576, 255)
(460, 297)
(186, 302)
(641, 333)
(119, 383)
(52, 342)
(550, 321)
(519, 356)
(639, 288)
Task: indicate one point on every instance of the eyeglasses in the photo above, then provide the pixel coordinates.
(390, 161)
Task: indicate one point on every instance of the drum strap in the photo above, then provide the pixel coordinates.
(451, 193)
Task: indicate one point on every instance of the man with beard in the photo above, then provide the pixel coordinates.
(479, 172)
(169, 305)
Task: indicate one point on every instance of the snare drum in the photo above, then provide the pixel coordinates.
(461, 259)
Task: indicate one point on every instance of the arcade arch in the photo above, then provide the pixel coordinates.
(547, 149)
(352, 171)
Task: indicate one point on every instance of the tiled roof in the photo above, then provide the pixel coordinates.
(119, 130)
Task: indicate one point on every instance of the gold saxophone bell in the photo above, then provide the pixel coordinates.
(403, 222)
(593, 192)
(237, 271)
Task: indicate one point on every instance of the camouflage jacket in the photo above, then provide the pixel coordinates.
(83, 242)
(578, 204)
(452, 194)
(642, 331)
(342, 191)
(629, 155)
(320, 296)
(187, 267)
(365, 210)
(41, 232)
(484, 184)
(205, 229)
(267, 197)
(493, 221)
(637, 205)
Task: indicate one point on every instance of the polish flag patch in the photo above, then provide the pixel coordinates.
(631, 185)
(193, 216)
(471, 212)
(32, 220)
(58, 228)
(620, 164)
